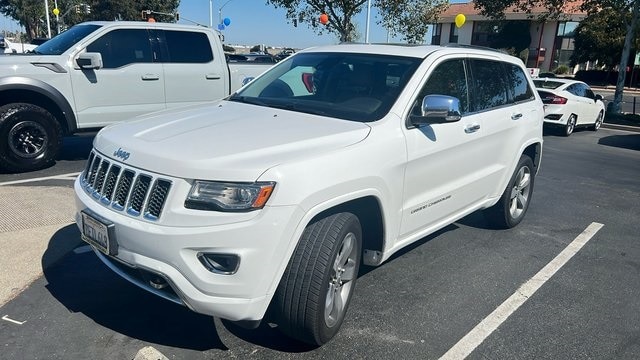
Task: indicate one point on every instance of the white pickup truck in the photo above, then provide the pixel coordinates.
(99, 73)
(271, 198)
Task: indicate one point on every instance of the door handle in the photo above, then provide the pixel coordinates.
(213, 76)
(150, 77)
(471, 128)
(516, 116)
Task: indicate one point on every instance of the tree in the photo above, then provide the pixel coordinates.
(340, 15)
(31, 13)
(410, 18)
(512, 35)
(495, 9)
(600, 37)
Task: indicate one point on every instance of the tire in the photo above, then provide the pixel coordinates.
(315, 290)
(598, 122)
(514, 202)
(571, 125)
(30, 137)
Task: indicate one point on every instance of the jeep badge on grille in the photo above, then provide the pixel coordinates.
(124, 155)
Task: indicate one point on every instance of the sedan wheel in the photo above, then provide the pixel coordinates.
(598, 122)
(571, 124)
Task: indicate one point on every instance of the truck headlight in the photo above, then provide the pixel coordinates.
(221, 196)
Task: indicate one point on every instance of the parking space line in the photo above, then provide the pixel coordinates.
(475, 337)
(70, 176)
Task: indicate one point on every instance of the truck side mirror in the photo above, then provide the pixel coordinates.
(437, 109)
(89, 61)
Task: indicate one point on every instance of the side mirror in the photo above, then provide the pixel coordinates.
(89, 61)
(437, 109)
(599, 97)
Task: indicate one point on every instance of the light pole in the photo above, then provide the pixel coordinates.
(211, 14)
(366, 35)
(220, 11)
(46, 11)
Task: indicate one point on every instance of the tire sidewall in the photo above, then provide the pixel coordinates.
(12, 114)
(352, 225)
(511, 221)
(571, 125)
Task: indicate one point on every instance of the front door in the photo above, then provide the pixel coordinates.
(130, 82)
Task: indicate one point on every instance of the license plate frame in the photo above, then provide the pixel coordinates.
(99, 232)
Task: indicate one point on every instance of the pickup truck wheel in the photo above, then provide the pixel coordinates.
(30, 137)
(510, 209)
(315, 290)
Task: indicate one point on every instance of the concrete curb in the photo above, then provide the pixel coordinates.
(621, 127)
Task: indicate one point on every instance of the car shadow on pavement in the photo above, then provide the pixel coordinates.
(76, 147)
(631, 142)
(83, 284)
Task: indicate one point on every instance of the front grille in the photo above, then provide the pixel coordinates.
(125, 189)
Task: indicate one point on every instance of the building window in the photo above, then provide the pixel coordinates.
(437, 31)
(483, 33)
(564, 44)
(453, 33)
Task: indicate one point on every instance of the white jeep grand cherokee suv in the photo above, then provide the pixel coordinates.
(271, 198)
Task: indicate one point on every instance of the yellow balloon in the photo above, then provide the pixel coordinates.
(460, 19)
(56, 11)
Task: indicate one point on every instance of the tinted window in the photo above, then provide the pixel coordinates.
(489, 90)
(577, 90)
(188, 47)
(122, 47)
(448, 78)
(547, 84)
(65, 40)
(518, 83)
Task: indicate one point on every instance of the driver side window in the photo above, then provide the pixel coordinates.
(448, 78)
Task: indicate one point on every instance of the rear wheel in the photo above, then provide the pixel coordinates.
(30, 137)
(316, 288)
(598, 122)
(512, 206)
(571, 125)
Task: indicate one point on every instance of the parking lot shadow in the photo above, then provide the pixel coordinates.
(76, 147)
(83, 284)
(631, 142)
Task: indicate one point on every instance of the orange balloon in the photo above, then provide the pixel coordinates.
(324, 19)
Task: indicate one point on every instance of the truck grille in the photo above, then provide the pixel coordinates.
(125, 189)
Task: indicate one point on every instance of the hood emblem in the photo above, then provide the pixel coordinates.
(124, 155)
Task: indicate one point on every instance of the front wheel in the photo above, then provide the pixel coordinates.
(30, 137)
(315, 290)
(514, 202)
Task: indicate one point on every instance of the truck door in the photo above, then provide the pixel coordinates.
(130, 82)
(194, 73)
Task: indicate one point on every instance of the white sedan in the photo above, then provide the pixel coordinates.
(570, 103)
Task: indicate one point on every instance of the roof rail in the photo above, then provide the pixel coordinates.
(475, 47)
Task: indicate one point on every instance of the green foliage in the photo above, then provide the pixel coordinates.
(561, 70)
(340, 15)
(600, 36)
(29, 13)
(410, 18)
(227, 48)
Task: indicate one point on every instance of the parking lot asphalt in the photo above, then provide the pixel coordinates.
(417, 305)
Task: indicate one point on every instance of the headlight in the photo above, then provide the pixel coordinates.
(220, 196)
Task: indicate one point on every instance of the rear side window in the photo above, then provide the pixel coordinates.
(188, 47)
(518, 83)
(490, 85)
(123, 47)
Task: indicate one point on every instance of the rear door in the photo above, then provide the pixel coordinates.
(130, 82)
(194, 73)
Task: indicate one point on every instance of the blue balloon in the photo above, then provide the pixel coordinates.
(226, 21)
(220, 26)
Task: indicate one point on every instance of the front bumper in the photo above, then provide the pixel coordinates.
(263, 244)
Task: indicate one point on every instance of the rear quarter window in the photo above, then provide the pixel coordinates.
(518, 83)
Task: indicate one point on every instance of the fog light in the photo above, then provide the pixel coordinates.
(225, 264)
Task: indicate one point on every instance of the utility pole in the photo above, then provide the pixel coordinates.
(46, 11)
(366, 35)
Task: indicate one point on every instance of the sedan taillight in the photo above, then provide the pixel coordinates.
(549, 98)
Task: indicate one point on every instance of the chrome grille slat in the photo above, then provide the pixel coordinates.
(122, 188)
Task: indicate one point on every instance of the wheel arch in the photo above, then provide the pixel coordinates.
(16, 89)
(534, 151)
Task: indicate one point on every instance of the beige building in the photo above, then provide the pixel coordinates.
(551, 41)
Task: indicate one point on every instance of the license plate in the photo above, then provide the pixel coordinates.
(99, 232)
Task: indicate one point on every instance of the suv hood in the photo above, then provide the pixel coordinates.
(224, 141)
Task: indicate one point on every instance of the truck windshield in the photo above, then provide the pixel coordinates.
(65, 40)
(350, 86)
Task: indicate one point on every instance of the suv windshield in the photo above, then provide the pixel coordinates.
(358, 87)
(65, 40)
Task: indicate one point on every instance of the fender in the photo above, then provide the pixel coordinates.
(40, 87)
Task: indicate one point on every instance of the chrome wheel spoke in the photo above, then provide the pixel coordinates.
(349, 270)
